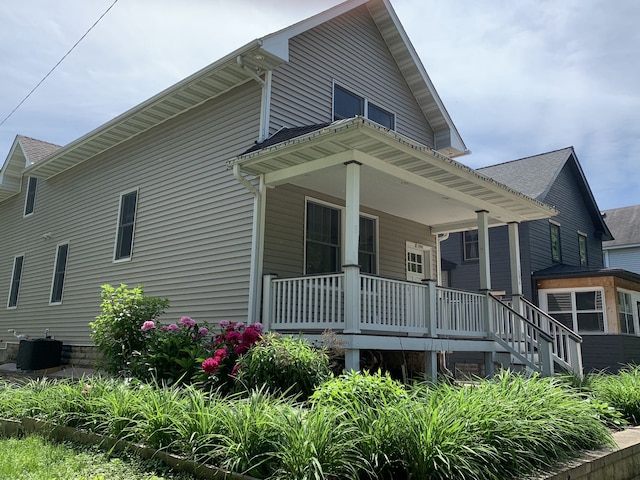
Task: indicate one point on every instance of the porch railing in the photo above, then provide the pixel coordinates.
(393, 305)
(303, 303)
(521, 337)
(460, 313)
(566, 344)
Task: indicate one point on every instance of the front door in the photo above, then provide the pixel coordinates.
(417, 262)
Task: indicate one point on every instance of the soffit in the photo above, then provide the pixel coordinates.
(210, 82)
(399, 176)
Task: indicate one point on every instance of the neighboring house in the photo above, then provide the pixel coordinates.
(561, 258)
(624, 250)
(330, 221)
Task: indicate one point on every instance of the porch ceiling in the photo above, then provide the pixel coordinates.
(399, 176)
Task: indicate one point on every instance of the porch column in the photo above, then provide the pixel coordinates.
(351, 266)
(483, 250)
(516, 268)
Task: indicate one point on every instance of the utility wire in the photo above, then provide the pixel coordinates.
(56, 65)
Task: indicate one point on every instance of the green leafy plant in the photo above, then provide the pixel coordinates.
(171, 353)
(116, 332)
(283, 364)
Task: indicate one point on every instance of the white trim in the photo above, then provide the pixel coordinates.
(53, 276)
(554, 222)
(342, 209)
(365, 106)
(635, 304)
(26, 198)
(135, 221)
(545, 306)
(13, 272)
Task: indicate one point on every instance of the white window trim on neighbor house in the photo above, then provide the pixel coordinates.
(342, 231)
(15, 282)
(545, 306)
(30, 197)
(555, 225)
(476, 241)
(117, 258)
(583, 241)
(366, 105)
(634, 309)
(63, 273)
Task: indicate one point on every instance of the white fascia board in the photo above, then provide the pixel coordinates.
(278, 43)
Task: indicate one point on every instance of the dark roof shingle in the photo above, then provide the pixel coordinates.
(624, 224)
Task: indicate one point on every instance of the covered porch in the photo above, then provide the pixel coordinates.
(366, 166)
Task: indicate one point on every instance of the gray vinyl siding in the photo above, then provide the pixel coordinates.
(350, 51)
(625, 258)
(284, 234)
(609, 352)
(193, 224)
(567, 198)
(535, 241)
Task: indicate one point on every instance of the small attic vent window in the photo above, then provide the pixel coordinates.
(347, 104)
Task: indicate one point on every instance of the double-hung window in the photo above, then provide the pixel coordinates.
(582, 249)
(580, 310)
(16, 277)
(59, 273)
(471, 250)
(347, 104)
(30, 200)
(126, 226)
(323, 240)
(625, 307)
(556, 253)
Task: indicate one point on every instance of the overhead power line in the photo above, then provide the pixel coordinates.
(56, 65)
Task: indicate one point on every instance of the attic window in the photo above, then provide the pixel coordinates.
(347, 104)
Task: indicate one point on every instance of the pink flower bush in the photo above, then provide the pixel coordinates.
(148, 325)
(234, 340)
(203, 331)
(187, 322)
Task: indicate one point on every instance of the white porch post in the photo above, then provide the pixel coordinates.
(516, 268)
(483, 250)
(351, 267)
(485, 279)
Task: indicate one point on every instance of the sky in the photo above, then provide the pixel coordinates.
(518, 78)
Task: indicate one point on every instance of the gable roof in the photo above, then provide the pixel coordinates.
(624, 223)
(240, 67)
(534, 176)
(24, 152)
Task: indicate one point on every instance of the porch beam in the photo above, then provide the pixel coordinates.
(470, 224)
(498, 212)
(285, 174)
(483, 250)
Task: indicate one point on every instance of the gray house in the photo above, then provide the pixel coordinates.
(561, 259)
(303, 180)
(624, 250)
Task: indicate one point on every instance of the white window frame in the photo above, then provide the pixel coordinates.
(53, 277)
(464, 246)
(13, 273)
(342, 209)
(133, 232)
(366, 101)
(545, 306)
(582, 235)
(26, 197)
(634, 299)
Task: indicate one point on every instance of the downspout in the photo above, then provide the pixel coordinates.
(259, 203)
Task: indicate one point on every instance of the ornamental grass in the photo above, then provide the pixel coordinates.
(354, 426)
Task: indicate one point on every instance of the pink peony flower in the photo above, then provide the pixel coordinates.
(210, 365)
(173, 327)
(233, 337)
(187, 322)
(224, 323)
(239, 326)
(203, 331)
(257, 326)
(220, 353)
(241, 349)
(148, 325)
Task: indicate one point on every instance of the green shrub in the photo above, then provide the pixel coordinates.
(283, 364)
(117, 331)
(171, 353)
(621, 391)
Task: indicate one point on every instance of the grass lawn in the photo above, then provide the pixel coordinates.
(34, 458)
